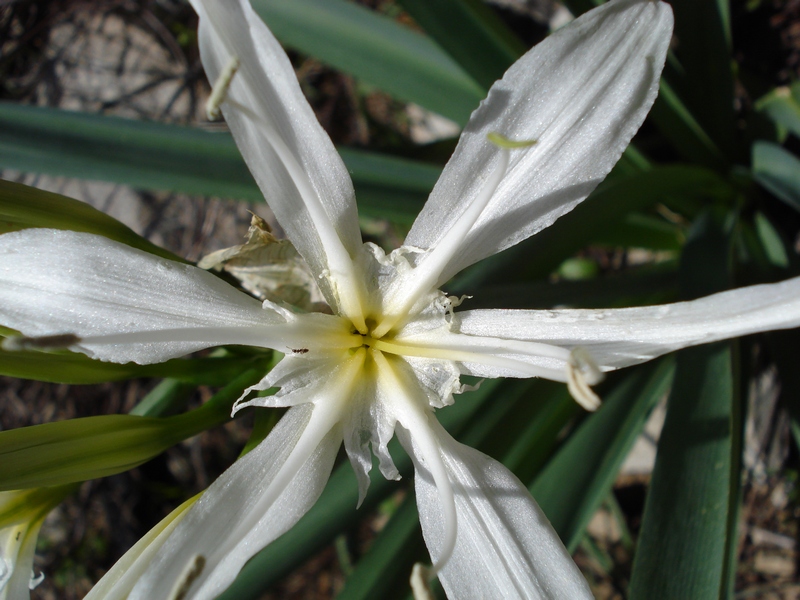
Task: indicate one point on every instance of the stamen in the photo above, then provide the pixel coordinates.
(420, 582)
(191, 572)
(426, 274)
(277, 337)
(582, 371)
(46, 342)
(219, 91)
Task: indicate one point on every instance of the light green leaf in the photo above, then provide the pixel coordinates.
(778, 170)
(376, 49)
(782, 106)
(75, 368)
(22, 207)
(79, 449)
(771, 241)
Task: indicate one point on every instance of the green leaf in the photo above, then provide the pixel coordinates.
(580, 476)
(471, 33)
(376, 49)
(22, 207)
(638, 230)
(771, 241)
(689, 523)
(75, 368)
(778, 170)
(638, 286)
(704, 52)
(782, 106)
(387, 564)
(143, 154)
(607, 206)
(678, 124)
(157, 156)
(79, 449)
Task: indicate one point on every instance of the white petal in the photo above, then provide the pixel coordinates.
(17, 549)
(582, 93)
(618, 338)
(117, 583)
(61, 282)
(242, 511)
(291, 157)
(505, 546)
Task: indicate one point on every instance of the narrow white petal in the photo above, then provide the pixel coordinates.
(17, 550)
(243, 511)
(117, 583)
(618, 338)
(486, 354)
(582, 94)
(61, 282)
(505, 546)
(291, 157)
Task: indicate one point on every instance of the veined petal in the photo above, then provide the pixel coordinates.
(257, 499)
(582, 94)
(17, 549)
(56, 282)
(117, 583)
(617, 338)
(291, 157)
(505, 546)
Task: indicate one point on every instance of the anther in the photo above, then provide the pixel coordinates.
(219, 91)
(420, 582)
(582, 372)
(191, 572)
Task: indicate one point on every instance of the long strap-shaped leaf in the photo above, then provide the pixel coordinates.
(156, 156)
(689, 526)
(376, 49)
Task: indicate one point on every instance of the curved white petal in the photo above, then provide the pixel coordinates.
(56, 282)
(17, 549)
(617, 338)
(291, 157)
(505, 546)
(117, 583)
(249, 506)
(582, 94)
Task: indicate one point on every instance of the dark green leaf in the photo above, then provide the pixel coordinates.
(169, 157)
(376, 49)
(689, 523)
(580, 476)
(471, 33)
(704, 52)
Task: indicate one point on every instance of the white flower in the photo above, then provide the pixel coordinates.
(394, 348)
(22, 513)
